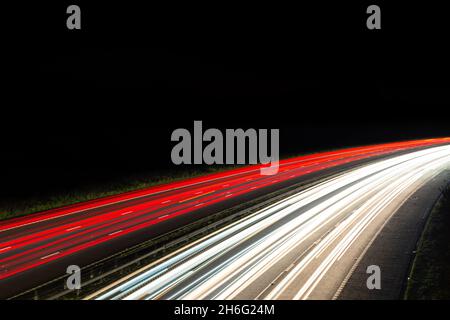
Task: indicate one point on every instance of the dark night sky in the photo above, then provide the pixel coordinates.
(103, 102)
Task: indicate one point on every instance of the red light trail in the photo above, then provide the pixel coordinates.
(40, 238)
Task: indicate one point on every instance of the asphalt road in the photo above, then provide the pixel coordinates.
(37, 248)
(302, 247)
(394, 248)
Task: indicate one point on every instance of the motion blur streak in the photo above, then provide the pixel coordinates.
(52, 236)
(299, 248)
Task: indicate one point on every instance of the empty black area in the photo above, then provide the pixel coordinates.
(98, 104)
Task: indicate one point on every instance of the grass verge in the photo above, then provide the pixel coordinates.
(16, 208)
(12, 208)
(430, 273)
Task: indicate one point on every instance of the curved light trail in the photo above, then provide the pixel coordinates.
(40, 239)
(299, 248)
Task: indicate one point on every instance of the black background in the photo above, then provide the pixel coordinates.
(93, 105)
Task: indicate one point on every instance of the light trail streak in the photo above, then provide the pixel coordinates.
(143, 214)
(289, 249)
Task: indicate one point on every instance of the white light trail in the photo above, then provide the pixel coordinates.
(328, 219)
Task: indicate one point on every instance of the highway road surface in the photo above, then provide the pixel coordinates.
(39, 247)
(302, 247)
